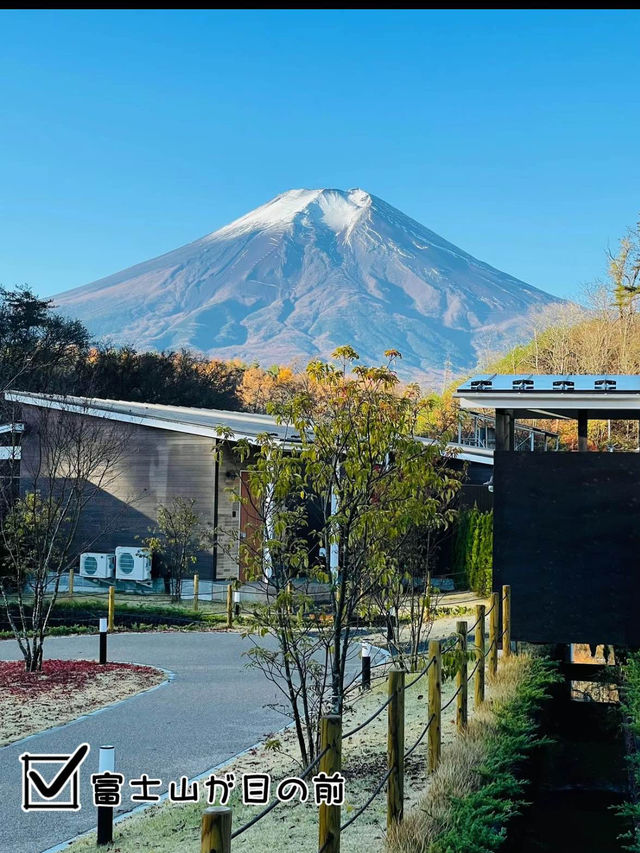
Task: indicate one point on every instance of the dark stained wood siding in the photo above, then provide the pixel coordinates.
(567, 540)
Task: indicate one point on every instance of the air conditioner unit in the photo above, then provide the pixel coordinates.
(133, 563)
(93, 565)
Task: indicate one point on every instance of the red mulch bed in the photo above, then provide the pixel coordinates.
(59, 675)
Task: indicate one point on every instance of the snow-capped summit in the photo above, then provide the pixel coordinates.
(338, 210)
(306, 272)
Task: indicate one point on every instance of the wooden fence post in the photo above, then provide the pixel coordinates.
(111, 613)
(395, 748)
(494, 619)
(196, 588)
(506, 621)
(461, 677)
(216, 830)
(330, 763)
(478, 698)
(435, 702)
(230, 606)
(71, 574)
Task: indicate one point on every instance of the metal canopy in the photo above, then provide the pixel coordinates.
(529, 395)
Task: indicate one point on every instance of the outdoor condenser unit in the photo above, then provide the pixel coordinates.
(94, 565)
(133, 564)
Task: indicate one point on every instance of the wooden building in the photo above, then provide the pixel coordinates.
(170, 453)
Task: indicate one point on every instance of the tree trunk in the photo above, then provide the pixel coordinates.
(33, 657)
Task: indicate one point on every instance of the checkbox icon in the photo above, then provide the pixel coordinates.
(52, 782)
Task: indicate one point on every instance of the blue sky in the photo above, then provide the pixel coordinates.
(126, 134)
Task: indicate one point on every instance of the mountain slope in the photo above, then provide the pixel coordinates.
(306, 272)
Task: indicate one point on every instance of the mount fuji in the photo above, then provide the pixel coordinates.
(307, 272)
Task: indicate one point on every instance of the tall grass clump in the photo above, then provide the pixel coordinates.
(478, 786)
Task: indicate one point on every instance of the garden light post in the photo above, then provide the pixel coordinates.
(366, 666)
(106, 764)
(391, 623)
(103, 640)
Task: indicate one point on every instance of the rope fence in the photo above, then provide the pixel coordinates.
(275, 803)
(330, 757)
(473, 671)
(370, 719)
(451, 700)
(420, 675)
(366, 805)
(453, 641)
(420, 739)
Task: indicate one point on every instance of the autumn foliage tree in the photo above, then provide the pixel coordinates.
(260, 388)
(336, 501)
(171, 378)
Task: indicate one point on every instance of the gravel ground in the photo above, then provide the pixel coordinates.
(43, 700)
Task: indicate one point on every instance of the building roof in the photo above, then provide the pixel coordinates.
(207, 422)
(532, 395)
(194, 421)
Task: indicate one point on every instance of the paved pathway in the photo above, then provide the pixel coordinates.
(211, 711)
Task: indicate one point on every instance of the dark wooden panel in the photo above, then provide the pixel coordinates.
(567, 539)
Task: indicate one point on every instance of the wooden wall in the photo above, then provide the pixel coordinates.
(228, 513)
(567, 540)
(159, 465)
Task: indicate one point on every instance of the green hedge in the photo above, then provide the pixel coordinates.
(478, 822)
(84, 614)
(473, 550)
(630, 695)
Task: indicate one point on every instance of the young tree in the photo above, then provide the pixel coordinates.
(75, 459)
(260, 388)
(179, 536)
(336, 503)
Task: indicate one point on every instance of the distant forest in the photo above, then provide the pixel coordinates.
(43, 351)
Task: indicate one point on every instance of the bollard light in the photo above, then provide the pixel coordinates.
(106, 764)
(391, 623)
(236, 601)
(107, 759)
(103, 641)
(366, 665)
